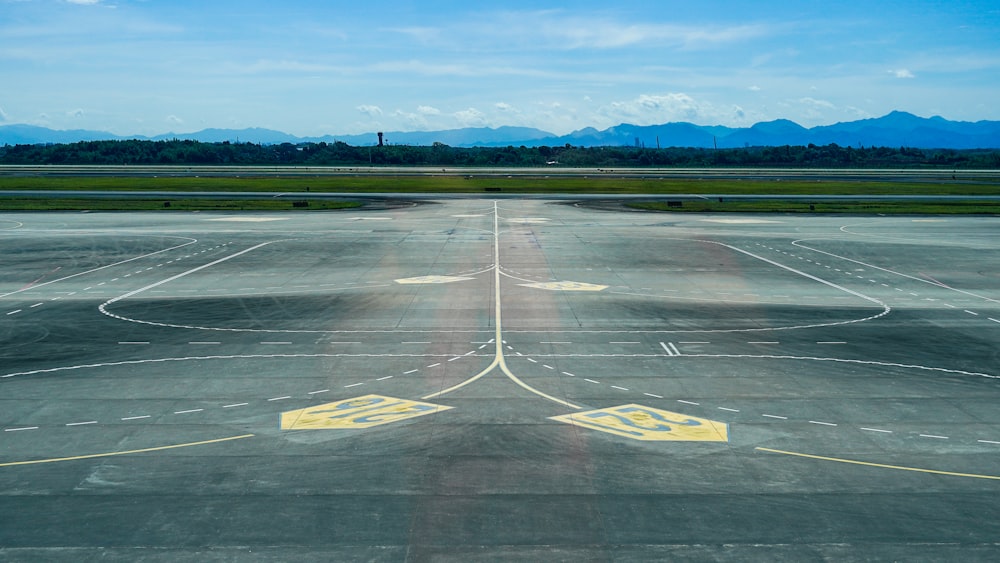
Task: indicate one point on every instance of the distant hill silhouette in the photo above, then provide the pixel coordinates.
(893, 130)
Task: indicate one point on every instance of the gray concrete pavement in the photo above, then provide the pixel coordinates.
(500, 380)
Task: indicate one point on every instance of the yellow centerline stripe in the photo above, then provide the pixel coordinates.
(882, 465)
(129, 452)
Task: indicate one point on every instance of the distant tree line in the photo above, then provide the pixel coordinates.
(188, 152)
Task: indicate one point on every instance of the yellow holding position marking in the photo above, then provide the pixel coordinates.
(649, 424)
(360, 412)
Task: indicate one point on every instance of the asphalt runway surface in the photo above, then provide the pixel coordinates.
(498, 380)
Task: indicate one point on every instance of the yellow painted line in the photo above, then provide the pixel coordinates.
(129, 452)
(882, 465)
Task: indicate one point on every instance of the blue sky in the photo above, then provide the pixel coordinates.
(314, 68)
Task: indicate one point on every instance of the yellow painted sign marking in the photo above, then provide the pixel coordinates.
(432, 279)
(646, 423)
(360, 412)
(566, 286)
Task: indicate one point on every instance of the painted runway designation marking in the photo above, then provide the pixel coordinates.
(432, 279)
(360, 412)
(649, 424)
(565, 286)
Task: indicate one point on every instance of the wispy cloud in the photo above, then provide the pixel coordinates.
(902, 73)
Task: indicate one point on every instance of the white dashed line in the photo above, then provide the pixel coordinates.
(384, 378)
(14, 312)
(823, 423)
(592, 381)
(434, 365)
(411, 371)
(279, 398)
(775, 416)
(934, 436)
(81, 423)
(138, 342)
(20, 429)
(728, 409)
(235, 405)
(972, 312)
(877, 430)
(317, 392)
(688, 402)
(353, 385)
(188, 411)
(619, 388)
(569, 374)
(35, 305)
(653, 396)
(987, 442)
(140, 417)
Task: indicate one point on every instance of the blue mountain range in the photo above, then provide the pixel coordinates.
(897, 129)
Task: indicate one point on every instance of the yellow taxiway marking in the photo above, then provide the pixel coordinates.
(649, 424)
(129, 452)
(881, 465)
(432, 279)
(565, 286)
(359, 412)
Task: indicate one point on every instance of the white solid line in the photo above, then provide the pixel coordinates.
(877, 430)
(136, 417)
(775, 416)
(933, 436)
(81, 423)
(728, 409)
(620, 388)
(384, 378)
(235, 405)
(823, 423)
(687, 402)
(19, 429)
(320, 391)
(188, 411)
(353, 385)
(652, 395)
(279, 398)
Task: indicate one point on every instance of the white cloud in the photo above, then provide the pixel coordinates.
(471, 117)
(3, 115)
(902, 73)
(428, 110)
(84, 2)
(650, 108)
(369, 110)
(173, 119)
(754, 88)
(816, 104)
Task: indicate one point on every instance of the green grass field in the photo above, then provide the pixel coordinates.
(457, 184)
